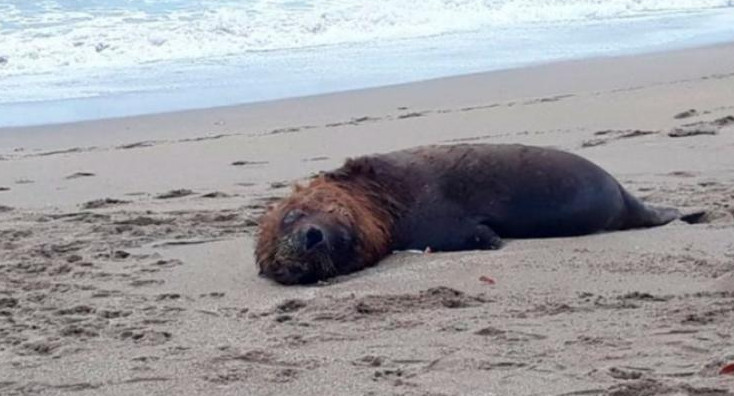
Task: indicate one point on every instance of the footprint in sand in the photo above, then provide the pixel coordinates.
(78, 331)
(167, 263)
(411, 115)
(145, 282)
(203, 138)
(353, 121)
(39, 347)
(137, 145)
(360, 120)
(248, 163)
(724, 121)
(284, 130)
(702, 127)
(8, 302)
(686, 114)
(67, 151)
(682, 174)
(693, 130)
(146, 336)
(167, 296)
(78, 175)
(143, 221)
(212, 295)
(103, 203)
(624, 373)
(216, 194)
(609, 135)
(174, 194)
(315, 159)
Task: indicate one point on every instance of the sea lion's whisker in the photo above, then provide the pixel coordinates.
(326, 265)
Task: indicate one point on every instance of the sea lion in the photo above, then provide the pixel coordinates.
(446, 198)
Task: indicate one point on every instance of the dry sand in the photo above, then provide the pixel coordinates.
(126, 247)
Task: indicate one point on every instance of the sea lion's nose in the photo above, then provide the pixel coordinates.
(312, 237)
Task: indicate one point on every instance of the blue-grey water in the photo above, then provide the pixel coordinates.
(70, 60)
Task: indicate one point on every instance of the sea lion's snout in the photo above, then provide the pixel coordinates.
(293, 273)
(301, 256)
(293, 268)
(311, 246)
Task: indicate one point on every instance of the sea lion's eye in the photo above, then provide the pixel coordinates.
(292, 216)
(345, 237)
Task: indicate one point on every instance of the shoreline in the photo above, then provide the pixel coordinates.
(717, 50)
(126, 262)
(119, 99)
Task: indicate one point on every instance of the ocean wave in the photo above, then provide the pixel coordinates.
(49, 36)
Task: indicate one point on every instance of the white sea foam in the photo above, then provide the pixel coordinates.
(52, 36)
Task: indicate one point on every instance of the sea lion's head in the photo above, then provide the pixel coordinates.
(314, 234)
(336, 225)
(310, 245)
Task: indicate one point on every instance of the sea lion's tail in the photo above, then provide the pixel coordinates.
(640, 215)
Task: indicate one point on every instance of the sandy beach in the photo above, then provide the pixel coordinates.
(126, 262)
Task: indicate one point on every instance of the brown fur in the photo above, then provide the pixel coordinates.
(351, 203)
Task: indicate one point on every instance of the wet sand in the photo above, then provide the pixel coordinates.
(126, 262)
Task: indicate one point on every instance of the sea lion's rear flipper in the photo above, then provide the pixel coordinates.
(696, 217)
(661, 215)
(640, 215)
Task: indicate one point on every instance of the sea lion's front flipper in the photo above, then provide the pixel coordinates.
(484, 238)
